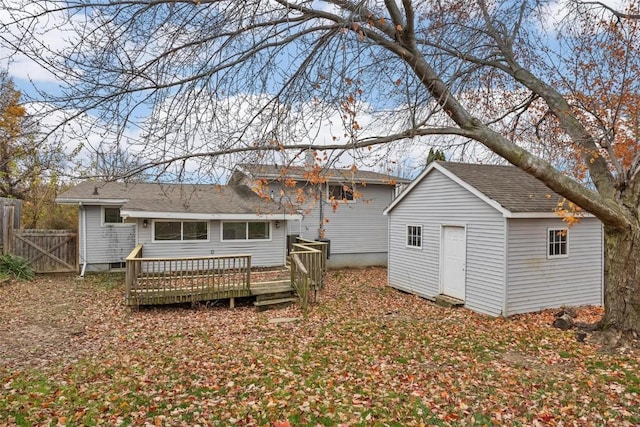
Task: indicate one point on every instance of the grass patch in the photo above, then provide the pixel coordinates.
(350, 363)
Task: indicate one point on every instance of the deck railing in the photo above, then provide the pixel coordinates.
(319, 262)
(300, 281)
(308, 265)
(183, 279)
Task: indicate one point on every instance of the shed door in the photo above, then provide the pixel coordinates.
(453, 261)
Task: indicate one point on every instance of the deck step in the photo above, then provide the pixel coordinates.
(276, 295)
(274, 303)
(447, 301)
(271, 287)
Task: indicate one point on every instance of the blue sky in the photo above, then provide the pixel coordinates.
(30, 78)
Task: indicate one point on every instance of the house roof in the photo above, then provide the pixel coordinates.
(300, 173)
(507, 188)
(187, 201)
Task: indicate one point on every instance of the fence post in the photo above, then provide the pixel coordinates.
(7, 228)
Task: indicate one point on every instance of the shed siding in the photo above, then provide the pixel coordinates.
(267, 253)
(106, 243)
(439, 201)
(535, 282)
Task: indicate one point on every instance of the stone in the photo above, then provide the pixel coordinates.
(563, 322)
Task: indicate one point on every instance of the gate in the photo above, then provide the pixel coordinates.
(48, 251)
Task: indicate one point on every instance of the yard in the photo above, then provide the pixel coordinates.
(72, 354)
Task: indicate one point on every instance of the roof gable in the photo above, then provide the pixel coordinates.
(508, 189)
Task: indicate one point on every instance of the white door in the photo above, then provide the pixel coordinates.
(453, 261)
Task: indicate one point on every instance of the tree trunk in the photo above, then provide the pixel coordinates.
(622, 280)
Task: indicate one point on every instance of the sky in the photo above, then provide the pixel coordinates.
(30, 77)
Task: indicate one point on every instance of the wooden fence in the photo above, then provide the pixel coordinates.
(48, 251)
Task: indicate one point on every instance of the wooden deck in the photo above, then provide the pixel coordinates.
(155, 281)
(157, 295)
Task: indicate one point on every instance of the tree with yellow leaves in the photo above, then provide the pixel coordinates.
(18, 154)
(28, 165)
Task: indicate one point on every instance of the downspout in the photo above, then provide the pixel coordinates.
(505, 268)
(321, 225)
(83, 231)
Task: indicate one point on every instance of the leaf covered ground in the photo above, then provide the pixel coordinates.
(72, 354)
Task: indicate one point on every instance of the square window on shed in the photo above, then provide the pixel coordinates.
(557, 242)
(414, 236)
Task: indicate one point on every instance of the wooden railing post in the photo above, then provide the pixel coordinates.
(132, 269)
(300, 281)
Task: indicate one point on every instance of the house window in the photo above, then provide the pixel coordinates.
(557, 242)
(111, 215)
(180, 230)
(340, 193)
(246, 230)
(414, 236)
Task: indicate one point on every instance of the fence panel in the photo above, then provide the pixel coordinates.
(48, 251)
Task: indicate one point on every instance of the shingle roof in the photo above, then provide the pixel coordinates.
(511, 187)
(299, 173)
(177, 198)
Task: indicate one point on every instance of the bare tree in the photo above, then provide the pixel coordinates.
(201, 79)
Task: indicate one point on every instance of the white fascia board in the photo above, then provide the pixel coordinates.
(72, 201)
(209, 216)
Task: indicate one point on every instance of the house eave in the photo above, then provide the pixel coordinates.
(75, 201)
(208, 216)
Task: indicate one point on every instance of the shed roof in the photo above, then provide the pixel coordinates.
(301, 173)
(508, 188)
(182, 200)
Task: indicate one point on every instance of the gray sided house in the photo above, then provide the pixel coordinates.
(488, 236)
(175, 220)
(345, 208)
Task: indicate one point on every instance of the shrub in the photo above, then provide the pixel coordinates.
(16, 267)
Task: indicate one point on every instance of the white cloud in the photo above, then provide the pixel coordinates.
(28, 31)
(553, 13)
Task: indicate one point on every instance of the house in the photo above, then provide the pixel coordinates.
(489, 237)
(173, 220)
(341, 206)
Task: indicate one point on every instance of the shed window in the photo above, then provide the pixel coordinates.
(180, 230)
(557, 242)
(414, 236)
(249, 230)
(112, 216)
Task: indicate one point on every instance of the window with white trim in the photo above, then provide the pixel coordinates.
(111, 215)
(340, 192)
(557, 242)
(246, 230)
(414, 236)
(180, 230)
